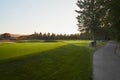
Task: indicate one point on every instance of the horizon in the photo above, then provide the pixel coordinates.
(40, 32)
(29, 16)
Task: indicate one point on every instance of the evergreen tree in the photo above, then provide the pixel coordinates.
(87, 18)
(114, 17)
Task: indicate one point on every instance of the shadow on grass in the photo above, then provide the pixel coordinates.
(69, 62)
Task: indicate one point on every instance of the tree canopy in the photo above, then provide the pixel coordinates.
(101, 18)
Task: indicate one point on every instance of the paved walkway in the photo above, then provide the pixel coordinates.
(106, 64)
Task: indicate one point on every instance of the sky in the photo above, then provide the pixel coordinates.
(29, 16)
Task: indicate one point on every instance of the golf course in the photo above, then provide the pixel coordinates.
(59, 60)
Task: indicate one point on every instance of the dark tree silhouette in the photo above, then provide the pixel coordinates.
(6, 36)
(87, 18)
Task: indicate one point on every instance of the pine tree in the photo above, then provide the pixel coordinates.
(87, 20)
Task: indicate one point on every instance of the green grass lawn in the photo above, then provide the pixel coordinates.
(64, 60)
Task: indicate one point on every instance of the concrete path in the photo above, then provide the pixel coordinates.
(106, 64)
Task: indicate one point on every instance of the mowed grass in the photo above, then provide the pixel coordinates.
(66, 60)
(15, 50)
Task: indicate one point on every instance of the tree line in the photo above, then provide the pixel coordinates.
(100, 18)
(50, 36)
(45, 36)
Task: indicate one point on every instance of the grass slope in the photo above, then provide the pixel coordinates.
(68, 60)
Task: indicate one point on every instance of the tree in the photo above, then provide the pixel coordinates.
(87, 18)
(6, 36)
(99, 16)
(40, 36)
(114, 17)
(110, 17)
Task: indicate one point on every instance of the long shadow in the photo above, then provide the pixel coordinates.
(69, 62)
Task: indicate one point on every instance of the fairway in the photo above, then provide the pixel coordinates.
(62, 60)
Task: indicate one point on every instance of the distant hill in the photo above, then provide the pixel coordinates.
(15, 35)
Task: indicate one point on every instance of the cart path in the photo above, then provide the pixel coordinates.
(106, 64)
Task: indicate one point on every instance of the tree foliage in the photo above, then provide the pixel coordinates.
(114, 15)
(98, 17)
(88, 19)
(6, 36)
